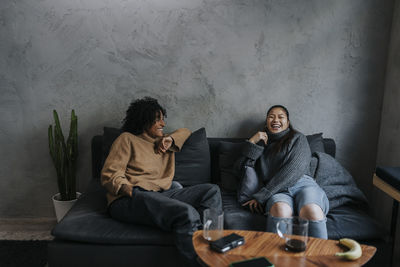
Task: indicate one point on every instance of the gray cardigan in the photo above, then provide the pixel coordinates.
(279, 170)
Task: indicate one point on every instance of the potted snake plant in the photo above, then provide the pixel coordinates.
(64, 155)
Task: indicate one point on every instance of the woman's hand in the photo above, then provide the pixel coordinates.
(259, 136)
(164, 144)
(254, 206)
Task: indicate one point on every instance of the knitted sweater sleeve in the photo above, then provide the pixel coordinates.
(250, 153)
(113, 172)
(179, 137)
(293, 167)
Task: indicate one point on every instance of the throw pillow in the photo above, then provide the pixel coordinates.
(228, 154)
(249, 185)
(316, 143)
(192, 163)
(109, 136)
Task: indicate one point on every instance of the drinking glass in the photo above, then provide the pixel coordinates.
(213, 224)
(295, 233)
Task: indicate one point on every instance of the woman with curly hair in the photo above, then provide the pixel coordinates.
(138, 174)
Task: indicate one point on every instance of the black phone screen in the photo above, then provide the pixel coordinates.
(255, 262)
(227, 239)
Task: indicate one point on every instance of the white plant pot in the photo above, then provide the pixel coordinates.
(62, 207)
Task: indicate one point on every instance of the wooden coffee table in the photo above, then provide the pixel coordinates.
(320, 252)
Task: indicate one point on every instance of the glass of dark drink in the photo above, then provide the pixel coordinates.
(295, 233)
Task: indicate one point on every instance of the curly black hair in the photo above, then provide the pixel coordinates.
(141, 115)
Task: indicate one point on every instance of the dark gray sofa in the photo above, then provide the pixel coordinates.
(87, 236)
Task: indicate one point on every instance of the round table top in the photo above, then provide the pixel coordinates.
(319, 252)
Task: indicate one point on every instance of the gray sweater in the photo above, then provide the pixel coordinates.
(277, 171)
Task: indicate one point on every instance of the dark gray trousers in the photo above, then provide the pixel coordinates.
(176, 210)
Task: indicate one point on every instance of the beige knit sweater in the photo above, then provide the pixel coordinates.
(133, 161)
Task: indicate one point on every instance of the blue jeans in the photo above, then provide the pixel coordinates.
(305, 191)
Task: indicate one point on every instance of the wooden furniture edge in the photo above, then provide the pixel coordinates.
(385, 187)
(368, 253)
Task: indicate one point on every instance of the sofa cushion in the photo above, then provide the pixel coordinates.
(316, 142)
(330, 147)
(88, 221)
(390, 175)
(228, 154)
(238, 218)
(344, 221)
(109, 136)
(249, 185)
(192, 163)
(351, 222)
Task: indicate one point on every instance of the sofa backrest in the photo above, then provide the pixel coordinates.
(101, 144)
(224, 151)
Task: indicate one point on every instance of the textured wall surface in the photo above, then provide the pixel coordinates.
(389, 136)
(389, 141)
(217, 64)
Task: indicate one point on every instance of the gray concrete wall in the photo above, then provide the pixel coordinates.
(217, 64)
(389, 141)
(389, 137)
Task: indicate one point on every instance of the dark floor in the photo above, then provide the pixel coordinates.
(17, 253)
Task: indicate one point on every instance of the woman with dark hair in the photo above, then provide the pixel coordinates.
(281, 157)
(141, 115)
(138, 174)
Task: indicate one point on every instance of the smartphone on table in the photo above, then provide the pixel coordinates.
(227, 243)
(254, 262)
